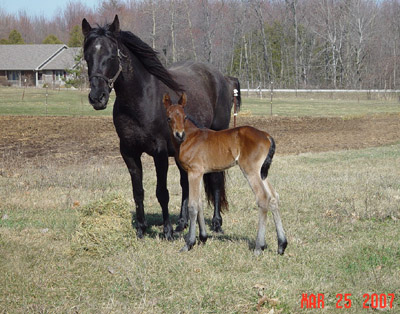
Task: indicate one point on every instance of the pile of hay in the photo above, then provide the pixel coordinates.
(104, 227)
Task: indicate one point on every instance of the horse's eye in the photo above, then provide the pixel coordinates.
(185, 117)
(169, 119)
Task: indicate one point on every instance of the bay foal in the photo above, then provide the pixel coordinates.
(201, 150)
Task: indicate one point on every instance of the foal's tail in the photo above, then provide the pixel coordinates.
(268, 159)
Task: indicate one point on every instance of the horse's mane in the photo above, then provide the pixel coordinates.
(198, 125)
(146, 55)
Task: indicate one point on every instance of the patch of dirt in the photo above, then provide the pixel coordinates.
(73, 139)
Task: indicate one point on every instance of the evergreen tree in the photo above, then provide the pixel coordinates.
(52, 39)
(75, 37)
(15, 38)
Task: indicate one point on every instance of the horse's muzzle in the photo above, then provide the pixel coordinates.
(99, 100)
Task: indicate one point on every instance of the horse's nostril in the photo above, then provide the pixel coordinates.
(102, 97)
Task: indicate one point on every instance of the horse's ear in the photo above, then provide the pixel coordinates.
(114, 27)
(182, 100)
(166, 100)
(86, 28)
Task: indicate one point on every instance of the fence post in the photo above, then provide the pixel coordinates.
(47, 95)
(272, 94)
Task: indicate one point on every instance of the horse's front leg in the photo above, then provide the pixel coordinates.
(134, 165)
(161, 164)
(183, 216)
(194, 206)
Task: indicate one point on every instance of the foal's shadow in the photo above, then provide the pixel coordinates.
(155, 230)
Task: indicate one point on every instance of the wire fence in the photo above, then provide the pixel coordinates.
(47, 101)
(63, 101)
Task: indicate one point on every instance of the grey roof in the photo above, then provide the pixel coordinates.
(66, 59)
(36, 57)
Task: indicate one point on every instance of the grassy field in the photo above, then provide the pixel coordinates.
(39, 101)
(32, 101)
(319, 106)
(66, 244)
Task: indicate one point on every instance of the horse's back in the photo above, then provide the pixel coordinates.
(208, 93)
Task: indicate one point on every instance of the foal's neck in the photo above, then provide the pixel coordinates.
(191, 127)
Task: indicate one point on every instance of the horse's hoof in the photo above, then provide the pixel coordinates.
(168, 232)
(181, 226)
(217, 226)
(218, 229)
(139, 234)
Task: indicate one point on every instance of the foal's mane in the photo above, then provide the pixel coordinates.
(146, 55)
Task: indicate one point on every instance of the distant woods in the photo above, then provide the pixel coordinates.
(292, 43)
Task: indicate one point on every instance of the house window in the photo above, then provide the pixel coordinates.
(13, 75)
(58, 75)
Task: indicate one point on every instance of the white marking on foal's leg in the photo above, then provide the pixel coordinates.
(280, 232)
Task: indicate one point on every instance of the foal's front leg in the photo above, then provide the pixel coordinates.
(194, 208)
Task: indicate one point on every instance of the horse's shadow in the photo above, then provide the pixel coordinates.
(155, 230)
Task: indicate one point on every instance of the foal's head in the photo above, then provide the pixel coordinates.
(176, 116)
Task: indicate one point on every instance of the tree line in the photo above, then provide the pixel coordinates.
(288, 43)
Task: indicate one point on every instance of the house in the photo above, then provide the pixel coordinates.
(36, 65)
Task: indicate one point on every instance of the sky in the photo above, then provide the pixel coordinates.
(47, 8)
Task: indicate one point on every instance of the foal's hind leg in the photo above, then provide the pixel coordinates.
(282, 241)
(263, 198)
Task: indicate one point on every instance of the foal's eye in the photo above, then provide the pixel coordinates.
(185, 118)
(169, 119)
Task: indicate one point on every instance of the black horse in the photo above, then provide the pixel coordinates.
(119, 59)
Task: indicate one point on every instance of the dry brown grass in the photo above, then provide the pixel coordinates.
(341, 211)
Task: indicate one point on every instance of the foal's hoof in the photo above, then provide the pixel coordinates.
(184, 249)
(181, 225)
(281, 247)
(187, 247)
(257, 252)
(203, 238)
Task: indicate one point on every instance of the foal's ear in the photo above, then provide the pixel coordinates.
(166, 100)
(182, 100)
(114, 27)
(86, 28)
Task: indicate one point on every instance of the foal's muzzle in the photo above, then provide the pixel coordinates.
(180, 136)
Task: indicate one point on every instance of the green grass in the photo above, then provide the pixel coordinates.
(70, 102)
(319, 106)
(341, 212)
(33, 101)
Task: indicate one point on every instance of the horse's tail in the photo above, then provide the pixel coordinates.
(238, 97)
(216, 182)
(268, 159)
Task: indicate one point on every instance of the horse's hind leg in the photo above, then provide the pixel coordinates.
(282, 241)
(183, 216)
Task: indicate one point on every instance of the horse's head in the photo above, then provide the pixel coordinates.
(176, 116)
(102, 55)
